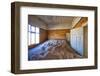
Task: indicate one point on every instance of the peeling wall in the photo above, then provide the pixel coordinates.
(43, 35)
(59, 26)
(77, 39)
(58, 34)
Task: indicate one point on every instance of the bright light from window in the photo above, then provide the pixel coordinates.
(37, 38)
(37, 30)
(33, 35)
(29, 38)
(32, 29)
(32, 38)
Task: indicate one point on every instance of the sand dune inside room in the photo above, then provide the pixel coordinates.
(57, 37)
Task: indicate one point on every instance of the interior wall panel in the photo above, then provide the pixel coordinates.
(58, 34)
(77, 39)
(43, 35)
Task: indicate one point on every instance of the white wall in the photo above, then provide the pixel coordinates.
(77, 39)
(5, 42)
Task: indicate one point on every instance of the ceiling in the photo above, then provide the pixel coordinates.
(54, 20)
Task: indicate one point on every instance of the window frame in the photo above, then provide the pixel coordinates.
(32, 32)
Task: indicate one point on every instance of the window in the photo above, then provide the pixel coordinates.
(33, 35)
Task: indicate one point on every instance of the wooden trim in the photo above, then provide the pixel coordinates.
(13, 63)
(15, 38)
(81, 22)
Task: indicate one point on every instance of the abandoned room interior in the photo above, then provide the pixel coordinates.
(57, 37)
